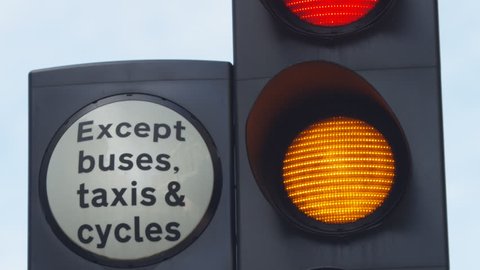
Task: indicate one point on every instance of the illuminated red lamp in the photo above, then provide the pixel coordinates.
(328, 18)
(330, 13)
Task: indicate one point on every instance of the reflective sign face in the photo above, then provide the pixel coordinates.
(130, 180)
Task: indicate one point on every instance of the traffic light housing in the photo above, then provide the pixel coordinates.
(130, 166)
(291, 77)
(363, 165)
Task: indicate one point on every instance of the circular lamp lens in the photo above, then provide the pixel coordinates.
(339, 170)
(330, 13)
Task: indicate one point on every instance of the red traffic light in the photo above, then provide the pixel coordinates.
(330, 12)
(328, 18)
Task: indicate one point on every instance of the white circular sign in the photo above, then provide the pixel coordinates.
(130, 180)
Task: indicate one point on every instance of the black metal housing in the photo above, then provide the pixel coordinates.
(399, 58)
(200, 89)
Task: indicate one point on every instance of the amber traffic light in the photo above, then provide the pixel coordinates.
(339, 170)
(326, 150)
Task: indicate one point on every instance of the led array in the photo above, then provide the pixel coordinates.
(339, 170)
(330, 13)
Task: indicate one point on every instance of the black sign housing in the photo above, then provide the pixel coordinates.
(200, 88)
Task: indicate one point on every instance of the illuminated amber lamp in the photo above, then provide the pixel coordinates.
(339, 170)
(326, 151)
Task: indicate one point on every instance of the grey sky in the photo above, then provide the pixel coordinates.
(38, 34)
(460, 65)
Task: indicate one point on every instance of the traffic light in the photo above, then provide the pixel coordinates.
(130, 166)
(339, 135)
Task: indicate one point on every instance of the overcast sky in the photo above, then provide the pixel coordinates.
(38, 34)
